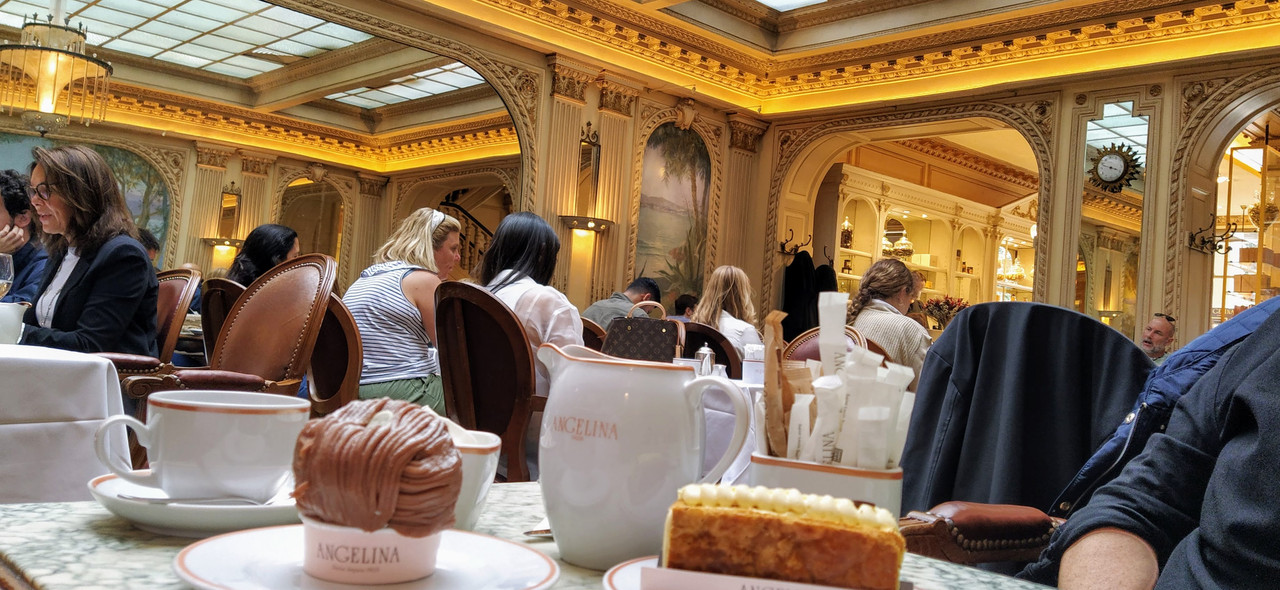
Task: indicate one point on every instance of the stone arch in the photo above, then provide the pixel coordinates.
(1213, 109)
(806, 149)
(519, 88)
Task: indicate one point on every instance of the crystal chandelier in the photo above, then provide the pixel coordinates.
(49, 78)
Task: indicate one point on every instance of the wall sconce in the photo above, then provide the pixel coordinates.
(1213, 242)
(580, 222)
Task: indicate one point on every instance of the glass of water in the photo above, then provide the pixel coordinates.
(6, 273)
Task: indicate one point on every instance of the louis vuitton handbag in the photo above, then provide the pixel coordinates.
(644, 338)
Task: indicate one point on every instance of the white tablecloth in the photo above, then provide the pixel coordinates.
(52, 403)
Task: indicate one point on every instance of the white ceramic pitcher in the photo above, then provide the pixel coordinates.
(619, 439)
(11, 322)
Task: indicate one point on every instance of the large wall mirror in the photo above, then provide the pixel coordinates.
(229, 212)
(1111, 215)
(588, 170)
(314, 210)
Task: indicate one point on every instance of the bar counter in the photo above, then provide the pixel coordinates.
(81, 546)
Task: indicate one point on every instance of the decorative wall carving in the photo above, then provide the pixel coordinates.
(686, 113)
(253, 163)
(617, 97)
(794, 141)
(346, 187)
(371, 185)
(1195, 93)
(744, 134)
(1028, 210)
(950, 152)
(213, 156)
(569, 82)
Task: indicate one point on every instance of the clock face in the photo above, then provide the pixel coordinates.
(1110, 167)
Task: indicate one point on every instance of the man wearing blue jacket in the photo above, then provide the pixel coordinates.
(20, 237)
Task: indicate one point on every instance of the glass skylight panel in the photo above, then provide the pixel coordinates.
(104, 29)
(357, 101)
(785, 5)
(206, 53)
(184, 59)
(190, 21)
(245, 61)
(246, 35)
(123, 19)
(315, 39)
(298, 19)
(428, 86)
(222, 44)
(145, 38)
(219, 67)
(168, 30)
(269, 26)
(10, 20)
(132, 7)
(131, 47)
(288, 47)
(342, 32)
(245, 5)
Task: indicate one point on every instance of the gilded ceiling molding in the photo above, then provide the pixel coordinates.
(255, 162)
(1210, 97)
(1026, 115)
(950, 152)
(1108, 205)
(1029, 210)
(753, 13)
(830, 12)
(653, 115)
(347, 190)
(463, 96)
(371, 185)
(745, 133)
(518, 87)
(508, 174)
(618, 98)
(213, 156)
(329, 61)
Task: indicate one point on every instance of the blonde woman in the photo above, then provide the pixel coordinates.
(726, 304)
(878, 312)
(393, 303)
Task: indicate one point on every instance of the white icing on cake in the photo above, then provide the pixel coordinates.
(840, 510)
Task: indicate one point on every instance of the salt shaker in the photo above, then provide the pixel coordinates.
(706, 359)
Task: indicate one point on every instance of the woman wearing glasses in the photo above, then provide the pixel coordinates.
(99, 292)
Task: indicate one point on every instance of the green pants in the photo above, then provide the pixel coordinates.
(424, 391)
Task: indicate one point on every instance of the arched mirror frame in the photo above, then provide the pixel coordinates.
(348, 187)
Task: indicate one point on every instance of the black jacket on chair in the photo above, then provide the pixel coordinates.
(1013, 398)
(108, 304)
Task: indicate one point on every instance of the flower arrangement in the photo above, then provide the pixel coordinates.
(944, 309)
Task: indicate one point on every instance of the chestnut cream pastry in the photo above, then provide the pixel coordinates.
(378, 463)
(783, 535)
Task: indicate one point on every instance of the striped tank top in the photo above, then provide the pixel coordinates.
(395, 344)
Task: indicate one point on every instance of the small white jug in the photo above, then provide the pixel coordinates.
(619, 439)
(11, 322)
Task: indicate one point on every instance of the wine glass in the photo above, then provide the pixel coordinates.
(6, 273)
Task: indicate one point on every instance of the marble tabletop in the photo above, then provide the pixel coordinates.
(81, 546)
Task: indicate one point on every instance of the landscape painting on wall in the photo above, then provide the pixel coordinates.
(671, 238)
(144, 189)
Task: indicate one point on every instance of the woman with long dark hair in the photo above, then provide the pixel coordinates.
(267, 245)
(878, 312)
(99, 291)
(516, 269)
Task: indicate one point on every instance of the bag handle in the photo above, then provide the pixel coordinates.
(646, 306)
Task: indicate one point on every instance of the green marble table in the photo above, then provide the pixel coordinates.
(81, 546)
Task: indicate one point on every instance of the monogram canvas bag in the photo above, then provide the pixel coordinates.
(643, 338)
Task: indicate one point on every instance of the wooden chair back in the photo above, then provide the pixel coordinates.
(487, 367)
(271, 329)
(216, 299)
(333, 379)
(697, 334)
(805, 346)
(592, 334)
(177, 288)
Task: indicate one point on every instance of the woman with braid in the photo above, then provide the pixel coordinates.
(878, 312)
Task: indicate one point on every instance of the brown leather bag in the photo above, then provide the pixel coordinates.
(644, 338)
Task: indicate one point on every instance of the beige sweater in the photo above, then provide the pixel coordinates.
(903, 338)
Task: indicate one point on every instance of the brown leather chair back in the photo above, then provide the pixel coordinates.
(592, 334)
(487, 367)
(216, 299)
(696, 335)
(876, 348)
(333, 378)
(177, 288)
(271, 330)
(805, 346)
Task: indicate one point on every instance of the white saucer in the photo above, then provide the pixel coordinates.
(626, 575)
(271, 559)
(185, 520)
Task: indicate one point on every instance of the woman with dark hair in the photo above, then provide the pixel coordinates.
(878, 312)
(516, 269)
(99, 292)
(267, 245)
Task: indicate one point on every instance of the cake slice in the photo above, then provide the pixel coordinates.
(783, 535)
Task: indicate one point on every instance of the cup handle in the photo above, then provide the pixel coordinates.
(117, 467)
(741, 415)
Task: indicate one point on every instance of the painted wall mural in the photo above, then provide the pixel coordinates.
(142, 185)
(671, 238)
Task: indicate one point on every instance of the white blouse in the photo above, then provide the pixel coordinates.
(739, 332)
(48, 301)
(547, 317)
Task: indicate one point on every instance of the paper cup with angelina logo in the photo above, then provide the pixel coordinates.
(349, 555)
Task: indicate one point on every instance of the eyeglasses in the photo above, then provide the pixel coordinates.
(42, 190)
(1167, 317)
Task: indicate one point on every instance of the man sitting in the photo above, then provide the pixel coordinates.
(20, 236)
(617, 305)
(1157, 337)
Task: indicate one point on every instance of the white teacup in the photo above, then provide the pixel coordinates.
(213, 443)
(11, 322)
(479, 464)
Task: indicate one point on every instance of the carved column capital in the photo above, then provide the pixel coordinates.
(371, 185)
(745, 133)
(617, 97)
(213, 156)
(570, 79)
(255, 162)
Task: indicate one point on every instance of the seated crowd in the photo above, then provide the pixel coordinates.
(1193, 509)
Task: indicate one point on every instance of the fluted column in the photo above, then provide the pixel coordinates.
(613, 186)
(255, 201)
(206, 209)
(568, 100)
(369, 232)
(744, 160)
